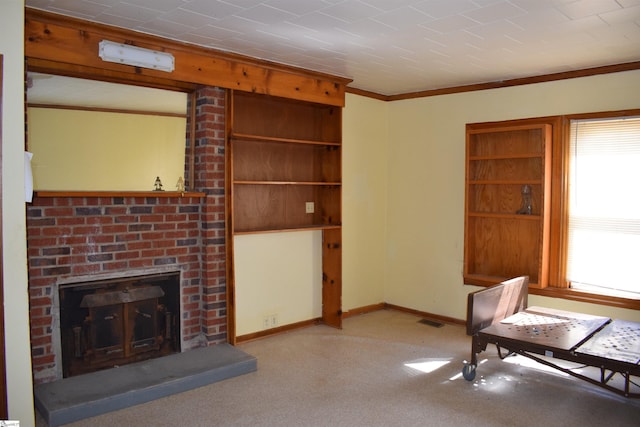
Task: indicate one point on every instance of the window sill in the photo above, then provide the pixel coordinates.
(588, 297)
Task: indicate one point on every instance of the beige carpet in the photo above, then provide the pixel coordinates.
(382, 369)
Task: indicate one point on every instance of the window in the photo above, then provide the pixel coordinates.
(603, 233)
(582, 240)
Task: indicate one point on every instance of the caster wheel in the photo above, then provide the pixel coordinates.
(469, 372)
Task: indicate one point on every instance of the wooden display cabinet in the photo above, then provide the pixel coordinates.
(285, 167)
(500, 242)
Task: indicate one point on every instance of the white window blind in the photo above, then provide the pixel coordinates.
(604, 205)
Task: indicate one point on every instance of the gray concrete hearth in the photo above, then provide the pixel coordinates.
(75, 398)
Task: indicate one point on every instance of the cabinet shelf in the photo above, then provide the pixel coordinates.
(499, 243)
(289, 229)
(311, 183)
(506, 157)
(259, 206)
(284, 155)
(505, 216)
(257, 161)
(240, 137)
(505, 182)
(485, 280)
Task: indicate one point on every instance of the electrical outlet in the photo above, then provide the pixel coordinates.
(309, 207)
(270, 321)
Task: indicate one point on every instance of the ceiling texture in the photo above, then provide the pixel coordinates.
(391, 47)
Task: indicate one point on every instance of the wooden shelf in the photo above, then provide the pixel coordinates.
(316, 183)
(291, 162)
(291, 229)
(505, 216)
(499, 243)
(239, 137)
(505, 182)
(507, 157)
(484, 280)
(284, 154)
(50, 193)
(282, 119)
(260, 206)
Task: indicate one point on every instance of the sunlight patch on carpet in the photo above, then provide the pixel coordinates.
(427, 366)
(532, 364)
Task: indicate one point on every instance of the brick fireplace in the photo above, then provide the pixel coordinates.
(82, 238)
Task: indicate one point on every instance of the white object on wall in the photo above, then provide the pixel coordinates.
(28, 177)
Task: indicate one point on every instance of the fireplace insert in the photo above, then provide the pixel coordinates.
(114, 322)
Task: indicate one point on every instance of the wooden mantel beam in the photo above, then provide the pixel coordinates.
(56, 43)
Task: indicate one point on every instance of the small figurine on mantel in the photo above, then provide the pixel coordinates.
(157, 185)
(180, 185)
(527, 207)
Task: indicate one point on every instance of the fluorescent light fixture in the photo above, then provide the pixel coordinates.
(136, 56)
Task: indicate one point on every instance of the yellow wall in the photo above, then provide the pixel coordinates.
(277, 275)
(403, 203)
(101, 151)
(14, 256)
(426, 146)
(364, 201)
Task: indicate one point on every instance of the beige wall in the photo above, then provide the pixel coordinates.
(278, 276)
(425, 223)
(403, 202)
(80, 150)
(364, 201)
(14, 262)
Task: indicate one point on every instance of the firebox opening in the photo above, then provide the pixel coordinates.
(108, 323)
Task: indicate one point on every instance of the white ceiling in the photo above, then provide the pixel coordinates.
(391, 46)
